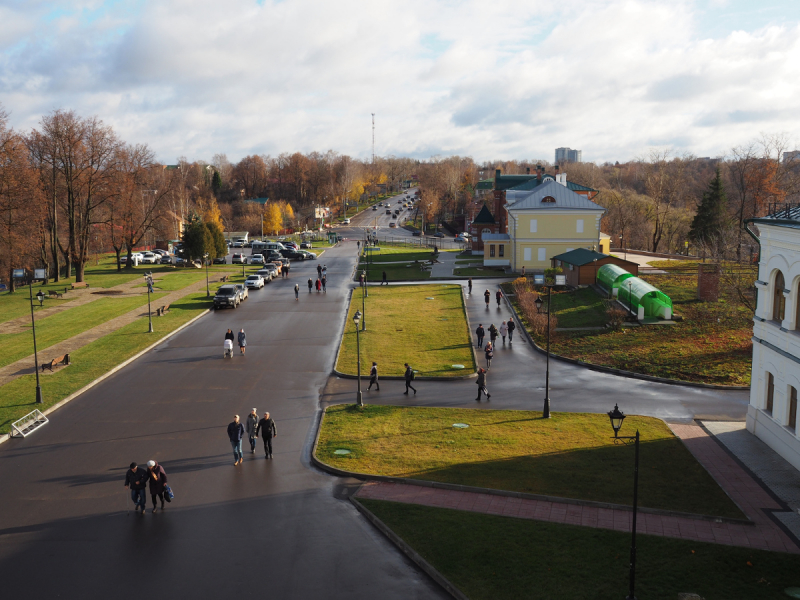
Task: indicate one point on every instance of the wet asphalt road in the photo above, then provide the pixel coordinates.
(276, 528)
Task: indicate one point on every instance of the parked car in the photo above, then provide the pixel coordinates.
(278, 265)
(266, 273)
(291, 245)
(308, 255)
(238, 259)
(136, 255)
(238, 244)
(416, 233)
(226, 297)
(438, 234)
(257, 259)
(240, 287)
(150, 258)
(161, 252)
(346, 222)
(221, 260)
(272, 255)
(178, 261)
(292, 254)
(254, 281)
(306, 245)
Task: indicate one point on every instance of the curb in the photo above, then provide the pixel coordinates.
(7, 436)
(408, 551)
(620, 372)
(508, 493)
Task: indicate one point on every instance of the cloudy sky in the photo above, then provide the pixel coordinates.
(501, 79)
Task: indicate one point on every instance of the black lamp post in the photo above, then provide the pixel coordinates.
(40, 298)
(538, 302)
(149, 279)
(363, 304)
(356, 320)
(617, 417)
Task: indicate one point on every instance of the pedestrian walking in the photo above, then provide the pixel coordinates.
(136, 480)
(242, 341)
(319, 270)
(325, 284)
(373, 377)
(409, 375)
(158, 480)
(511, 327)
(229, 335)
(385, 279)
(318, 285)
(492, 333)
(235, 435)
(361, 280)
(267, 431)
(358, 245)
(523, 270)
(499, 296)
(324, 270)
(285, 270)
(482, 385)
(310, 284)
(297, 291)
(469, 286)
(503, 331)
(481, 333)
(487, 296)
(251, 426)
(489, 353)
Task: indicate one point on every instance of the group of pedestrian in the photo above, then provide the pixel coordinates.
(138, 479)
(253, 428)
(408, 376)
(321, 284)
(487, 296)
(241, 338)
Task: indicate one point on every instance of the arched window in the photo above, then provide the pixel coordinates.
(770, 392)
(778, 300)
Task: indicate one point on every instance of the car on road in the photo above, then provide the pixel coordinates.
(438, 234)
(238, 259)
(388, 211)
(374, 208)
(238, 244)
(308, 255)
(392, 224)
(306, 245)
(221, 260)
(346, 222)
(254, 282)
(416, 233)
(268, 273)
(242, 290)
(226, 297)
(257, 259)
(291, 245)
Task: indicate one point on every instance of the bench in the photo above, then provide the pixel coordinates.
(61, 360)
(79, 284)
(55, 294)
(164, 309)
(224, 278)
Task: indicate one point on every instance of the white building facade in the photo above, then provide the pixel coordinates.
(772, 414)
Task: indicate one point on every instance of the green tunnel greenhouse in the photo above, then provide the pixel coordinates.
(646, 301)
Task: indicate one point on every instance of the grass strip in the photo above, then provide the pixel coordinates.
(402, 272)
(480, 272)
(93, 360)
(404, 326)
(496, 558)
(62, 326)
(571, 455)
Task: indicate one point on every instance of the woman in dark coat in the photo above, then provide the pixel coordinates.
(158, 479)
(242, 341)
(482, 385)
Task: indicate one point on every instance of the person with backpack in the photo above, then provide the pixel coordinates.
(409, 376)
(489, 353)
(511, 327)
(481, 333)
(251, 427)
(373, 377)
(492, 333)
(499, 296)
(158, 481)
(136, 481)
(503, 331)
(482, 385)
(267, 431)
(487, 296)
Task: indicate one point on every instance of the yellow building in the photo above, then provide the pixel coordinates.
(543, 222)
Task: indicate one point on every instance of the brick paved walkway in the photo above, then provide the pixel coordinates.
(765, 534)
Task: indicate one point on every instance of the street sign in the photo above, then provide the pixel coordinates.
(538, 279)
(19, 273)
(561, 280)
(39, 274)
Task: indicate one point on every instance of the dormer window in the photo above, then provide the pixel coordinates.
(548, 199)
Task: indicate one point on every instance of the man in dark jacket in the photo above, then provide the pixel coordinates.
(235, 435)
(499, 295)
(136, 481)
(481, 333)
(487, 296)
(482, 385)
(373, 377)
(511, 327)
(267, 431)
(409, 375)
(385, 279)
(251, 426)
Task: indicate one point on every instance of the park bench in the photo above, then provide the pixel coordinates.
(224, 278)
(61, 360)
(54, 294)
(79, 284)
(164, 309)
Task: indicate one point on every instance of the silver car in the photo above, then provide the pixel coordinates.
(242, 291)
(254, 281)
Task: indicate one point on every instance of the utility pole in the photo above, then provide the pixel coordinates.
(373, 138)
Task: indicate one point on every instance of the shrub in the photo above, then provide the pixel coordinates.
(616, 314)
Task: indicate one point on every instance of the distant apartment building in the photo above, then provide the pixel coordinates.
(568, 155)
(789, 156)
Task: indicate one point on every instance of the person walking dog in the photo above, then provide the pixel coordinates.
(251, 426)
(489, 353)
(158, 480)
(503, 331)
(409, 375)
(242, 341)
(373, 377)
(511, 327)
(481, 333)
(136, 480)
(267, 431)
(487, 296)
(482, 385)
(235, 435)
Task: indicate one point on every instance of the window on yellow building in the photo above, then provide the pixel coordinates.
(502, 249)
(491, 250)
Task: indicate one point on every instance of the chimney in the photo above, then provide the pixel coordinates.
(556, 169)
(539, 170)
(527, 170)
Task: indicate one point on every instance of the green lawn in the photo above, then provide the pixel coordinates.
(401, 272)
(404, 326)
(402, 253)
(61, 326)
(571, 455)
(497, 558)
(18, 397)
(579, 308)
(480, 272)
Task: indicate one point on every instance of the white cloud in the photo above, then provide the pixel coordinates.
(516, 78)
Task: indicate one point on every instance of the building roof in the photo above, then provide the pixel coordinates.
(531, 182)
(580, 257)
(261, 201)
(484, 216)
(564, 198)
(495, 237)
(485, 184)
(783, 215)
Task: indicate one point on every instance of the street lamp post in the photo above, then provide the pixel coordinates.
(363, 303)
(205, 259)
(149, 279)
(40, 298)
(617, 417)
(356, 320)
(621, 243)
(538, 302)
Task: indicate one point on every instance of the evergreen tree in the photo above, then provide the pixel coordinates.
(712, 213)
(197, 239)
(218, 247)
(216, 183)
